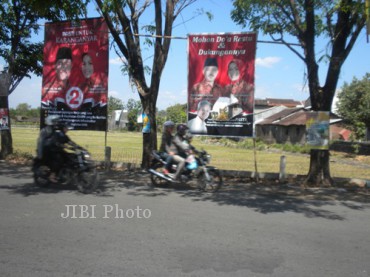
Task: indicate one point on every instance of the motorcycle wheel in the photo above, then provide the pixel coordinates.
(88, 181)
(156, 180)
(213, 184)
(41, 176)
(66, 176)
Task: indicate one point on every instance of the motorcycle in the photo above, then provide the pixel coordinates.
(207, 178)
(77, 169)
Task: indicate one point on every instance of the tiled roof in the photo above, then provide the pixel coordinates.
(293, 116)
(271, 102)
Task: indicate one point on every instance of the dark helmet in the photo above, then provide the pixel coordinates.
(181, 129)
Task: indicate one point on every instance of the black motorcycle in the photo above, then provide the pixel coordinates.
(207, 178)
(76, 169)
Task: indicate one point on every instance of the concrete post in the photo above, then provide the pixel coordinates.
(282, 173)
(108, 152)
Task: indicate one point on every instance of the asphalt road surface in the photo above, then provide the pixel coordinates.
(128, 228)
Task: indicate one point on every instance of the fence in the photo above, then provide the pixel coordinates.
(126, 148)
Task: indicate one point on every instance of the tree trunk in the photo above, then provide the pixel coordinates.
(149, 139)
(319, 174)
(6, 135)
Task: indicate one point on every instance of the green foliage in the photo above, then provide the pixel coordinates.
(339, 23)
(177, 113)
(276, 17)
(132, 124)
(133, 108)
(354, 105)
(25, 110)
(133, 104)
(114, 104)
(19, 22)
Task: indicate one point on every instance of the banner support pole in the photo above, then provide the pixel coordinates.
(255, 159)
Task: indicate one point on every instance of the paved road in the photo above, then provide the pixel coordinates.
(130, 229)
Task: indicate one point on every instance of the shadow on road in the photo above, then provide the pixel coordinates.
(25, 185)
(265, 197)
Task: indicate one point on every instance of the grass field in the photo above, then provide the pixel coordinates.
(127, 147)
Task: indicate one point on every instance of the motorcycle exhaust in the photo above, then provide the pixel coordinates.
(161, 175)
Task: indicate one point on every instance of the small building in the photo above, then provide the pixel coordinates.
(289, 126)
(118, 120)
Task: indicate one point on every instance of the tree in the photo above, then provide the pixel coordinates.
(19, 22)
(161, 118)
(114, 104)
(123, 18)
(133, 108)
(177, 113)
(354, 105)
(337, 22)
(23, 109)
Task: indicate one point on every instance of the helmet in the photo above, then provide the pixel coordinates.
(168, 124)
(181, 129)
(52, 120)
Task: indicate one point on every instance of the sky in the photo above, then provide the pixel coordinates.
(279, 73)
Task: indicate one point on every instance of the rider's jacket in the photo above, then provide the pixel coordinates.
(181, 146)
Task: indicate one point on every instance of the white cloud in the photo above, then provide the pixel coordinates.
(170, 98)
(117, 61)
(114, 94)
(300, 87)
(267, 62)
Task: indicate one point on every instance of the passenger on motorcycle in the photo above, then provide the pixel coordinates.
(46, 137)
(46, 143)
(181, 147)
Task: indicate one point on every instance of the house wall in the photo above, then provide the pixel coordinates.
(281, 134)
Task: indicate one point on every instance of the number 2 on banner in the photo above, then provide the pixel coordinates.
(74, 97)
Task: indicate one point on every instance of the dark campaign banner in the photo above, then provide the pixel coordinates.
(221, 84)
(75, 73)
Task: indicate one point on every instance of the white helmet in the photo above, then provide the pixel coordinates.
(52, 120)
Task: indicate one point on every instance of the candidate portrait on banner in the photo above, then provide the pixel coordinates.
(75, 73)
(221, 72)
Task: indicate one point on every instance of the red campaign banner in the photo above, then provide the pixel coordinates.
(75, 73)
(221, 84)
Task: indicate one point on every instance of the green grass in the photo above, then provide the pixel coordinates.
(226, 154)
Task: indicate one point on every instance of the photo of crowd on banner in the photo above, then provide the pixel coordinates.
(216, 109)
(75, 75)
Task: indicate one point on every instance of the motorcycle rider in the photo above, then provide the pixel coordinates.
(46, 142)
(46, 135)
(166, 145)
(61, 140)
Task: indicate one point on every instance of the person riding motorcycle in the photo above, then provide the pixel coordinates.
(46, 136)
(61, 140)
(50, 146)
(166, 146)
